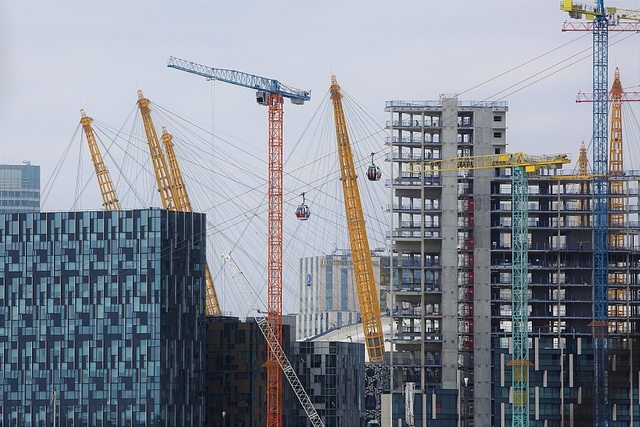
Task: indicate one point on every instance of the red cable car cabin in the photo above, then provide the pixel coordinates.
(303, 213)
(373, 173)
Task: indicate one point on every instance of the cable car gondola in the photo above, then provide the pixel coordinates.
(302, 212)
(373, 173)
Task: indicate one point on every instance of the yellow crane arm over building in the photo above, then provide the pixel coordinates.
(368, 297)
(529, 162)
(521, 165)
(183, 204)
(109, 199)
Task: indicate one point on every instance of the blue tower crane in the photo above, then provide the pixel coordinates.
(599, 207)
(604, 19)
(270, 93)
(263, 85)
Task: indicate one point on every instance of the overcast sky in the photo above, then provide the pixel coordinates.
(59, 56)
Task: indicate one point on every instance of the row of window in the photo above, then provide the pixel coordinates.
(24, 194)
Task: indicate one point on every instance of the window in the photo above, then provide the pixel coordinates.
(497, 118)
(497, 134)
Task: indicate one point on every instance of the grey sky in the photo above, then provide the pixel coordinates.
(58, 57)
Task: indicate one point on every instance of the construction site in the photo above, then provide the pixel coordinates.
(477, 286)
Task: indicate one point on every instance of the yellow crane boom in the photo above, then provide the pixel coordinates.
(530, 162)
(109, 199)
(362, 266)
(180, 196)
(183, 204)
(165, 186)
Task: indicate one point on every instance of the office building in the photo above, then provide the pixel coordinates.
(333, 375)
(236, 380)
(328, 293)
(19, 188)
(451, 293)
(102, 318)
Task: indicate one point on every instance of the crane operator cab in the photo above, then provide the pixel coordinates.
(373, 173)
(302, 212)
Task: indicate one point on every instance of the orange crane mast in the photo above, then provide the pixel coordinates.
(616, 163)
(109, 199)
(183, 204)
(360, 253)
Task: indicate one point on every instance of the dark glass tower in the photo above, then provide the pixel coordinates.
(108, 308)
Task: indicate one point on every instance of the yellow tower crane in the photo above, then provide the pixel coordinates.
(171, 186)
(109, 199)
(361, 255)
(583, 170)
(183, 204)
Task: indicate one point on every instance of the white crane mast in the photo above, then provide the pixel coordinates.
(409, 389)
(274, 344)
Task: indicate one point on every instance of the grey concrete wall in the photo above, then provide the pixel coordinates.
(483, 144)
(449, 254)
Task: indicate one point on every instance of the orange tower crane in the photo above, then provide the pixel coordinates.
(617, 96)
(109, 199)
(270, 93)
(183, 204)
(360, 253)
(616, 164)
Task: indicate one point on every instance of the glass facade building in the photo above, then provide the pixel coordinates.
(107, 308)
(236, 375)
(19, 188)
(333, 375)
(328, 293)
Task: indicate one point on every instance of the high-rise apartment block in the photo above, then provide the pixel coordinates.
(102, 318)
(451, 294)
(328, 293)
(19, 188)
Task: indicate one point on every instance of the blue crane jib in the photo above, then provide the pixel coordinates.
(251, 81)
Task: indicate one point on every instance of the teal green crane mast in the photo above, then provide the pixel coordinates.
(521, 165)
(520, 295)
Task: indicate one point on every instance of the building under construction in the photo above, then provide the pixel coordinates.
(453, 287)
